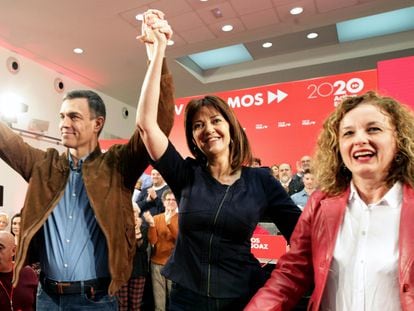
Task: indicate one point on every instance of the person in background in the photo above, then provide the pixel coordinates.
(130, 294)
(285, 176)
(300, 198)
(274, 169)
(15, 226)
(162, 235)
(22, 297)
(150, 198)
(297, 179)
(4, 221)
(77, 220)
(256, 162)
(149, 201)
(146, 180)
(354, 240)
(221, 197)
(15, 231)
(137, 190)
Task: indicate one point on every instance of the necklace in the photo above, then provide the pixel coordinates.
(10, 296)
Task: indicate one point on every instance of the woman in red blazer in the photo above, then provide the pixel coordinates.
(354, 241)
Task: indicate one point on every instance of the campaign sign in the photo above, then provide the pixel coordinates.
(283, 120)
(268, 248)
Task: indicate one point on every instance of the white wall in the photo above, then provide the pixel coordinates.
(35, 84)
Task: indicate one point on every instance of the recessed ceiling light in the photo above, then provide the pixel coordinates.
(312, 35)
(227, 28)
(77, 51)
(139, 17)
(170, 42)
(297, 10)
(267, 45)
(203, 0)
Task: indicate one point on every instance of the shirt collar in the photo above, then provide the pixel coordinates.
(80, 162)
(392, 198)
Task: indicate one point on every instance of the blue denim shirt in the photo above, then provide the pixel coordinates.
(300, 198)
(75, 247)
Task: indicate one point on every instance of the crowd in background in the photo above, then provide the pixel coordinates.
(190, 228)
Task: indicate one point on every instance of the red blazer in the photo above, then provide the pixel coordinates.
(310, 256)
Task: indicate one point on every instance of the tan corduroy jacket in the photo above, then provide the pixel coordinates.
(109, 180)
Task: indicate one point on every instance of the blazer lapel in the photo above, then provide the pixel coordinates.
(406, 237)
(333, 210)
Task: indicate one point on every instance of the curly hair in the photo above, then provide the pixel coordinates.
(240, 151)
(332, 175)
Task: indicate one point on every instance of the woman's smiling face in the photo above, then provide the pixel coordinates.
(211, 132)
(367, 142)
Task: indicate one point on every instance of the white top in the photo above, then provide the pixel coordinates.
(364, 269)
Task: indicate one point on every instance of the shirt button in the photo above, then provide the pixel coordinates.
(65, 265)
(74, 194)
(67, 241)
(70, 216)
(364, 232)
(406, 287)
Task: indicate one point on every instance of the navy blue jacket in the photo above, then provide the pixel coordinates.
(216, 221)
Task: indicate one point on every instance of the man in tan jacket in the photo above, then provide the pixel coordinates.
(77, 219)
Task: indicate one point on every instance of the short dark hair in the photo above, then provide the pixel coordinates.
(258, 161)
(307, 171)
(240, 152)
(95, 102)
(165, 193)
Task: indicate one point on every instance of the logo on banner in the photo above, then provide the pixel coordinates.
(257, 99)
(278, 96)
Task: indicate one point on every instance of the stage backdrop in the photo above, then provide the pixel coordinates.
(396, 78)
(283, 120)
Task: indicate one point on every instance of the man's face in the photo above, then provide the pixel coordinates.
(157, 179)
(309, 181)
(170, 203)
(285, 172)
(78, 127)
(7, 250)
(305, 163)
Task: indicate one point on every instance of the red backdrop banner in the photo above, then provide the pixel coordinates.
(396, 79)
(283, 120)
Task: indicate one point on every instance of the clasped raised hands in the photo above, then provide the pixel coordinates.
(155, 30)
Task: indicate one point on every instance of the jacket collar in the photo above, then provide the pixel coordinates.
(96, 152)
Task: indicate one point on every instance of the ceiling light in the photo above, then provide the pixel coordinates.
(227, 28)
(267, 45)
(170, 42)
(312, 35)
(77, 51)
(203, 0)
(297, 10)
(139, 17)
